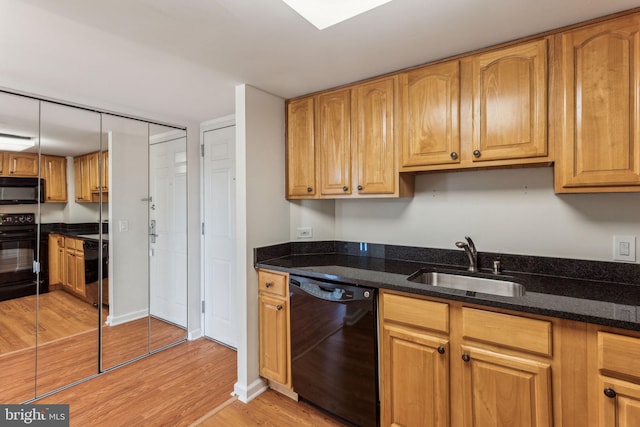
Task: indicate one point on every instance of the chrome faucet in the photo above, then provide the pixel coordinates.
(471, 251)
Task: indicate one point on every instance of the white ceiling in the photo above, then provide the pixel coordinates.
(179, 60)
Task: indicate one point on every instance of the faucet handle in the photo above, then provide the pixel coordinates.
(471, 245)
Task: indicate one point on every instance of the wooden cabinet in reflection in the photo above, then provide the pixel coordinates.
(54, 173)
(91, 177)
(74, 267)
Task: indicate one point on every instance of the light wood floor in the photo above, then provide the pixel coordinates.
(186, 385)
(67, 349)
(268, 409)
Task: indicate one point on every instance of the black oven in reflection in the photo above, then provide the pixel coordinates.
(18, 243)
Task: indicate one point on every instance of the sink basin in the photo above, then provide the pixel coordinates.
(501, 287)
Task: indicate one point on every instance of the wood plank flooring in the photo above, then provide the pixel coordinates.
(269, 409)
(174, 387)
(67, 349)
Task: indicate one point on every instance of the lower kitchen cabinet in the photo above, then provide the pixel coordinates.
(414, 362)
(74, 267)
(443, 363)
(56, 261)
(618, 380)
(275, 350)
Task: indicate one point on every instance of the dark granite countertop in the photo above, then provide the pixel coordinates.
(596, 300)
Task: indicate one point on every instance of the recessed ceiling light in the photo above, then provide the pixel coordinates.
(10, 142)
(325, 13)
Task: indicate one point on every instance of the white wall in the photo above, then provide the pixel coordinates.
(510, 210)
(262, 214)
(128, 249)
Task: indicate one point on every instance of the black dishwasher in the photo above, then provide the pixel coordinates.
(334, 352)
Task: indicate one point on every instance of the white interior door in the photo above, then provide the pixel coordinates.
(220, 323)
(168, 231)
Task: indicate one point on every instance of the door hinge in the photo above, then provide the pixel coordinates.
(202, 229)
(202, 150)
(203, 306)
(36, 267)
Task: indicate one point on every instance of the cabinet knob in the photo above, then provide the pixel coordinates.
(610, 393)
(268, 284)
(441, 350)
(359, 187)
(309, 189)
(466, 357)
(278, 307)
(454, 155)
(345, 188)
(476, 153)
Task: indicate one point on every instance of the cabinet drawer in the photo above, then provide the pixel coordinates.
(273, 283)
(415, 312)
(618, 354)
(507, 330)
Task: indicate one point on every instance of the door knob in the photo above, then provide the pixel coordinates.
(466, 357)
(610, 393)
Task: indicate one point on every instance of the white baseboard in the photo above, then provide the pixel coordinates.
(248, 393)
(195, 334)
(128, 317)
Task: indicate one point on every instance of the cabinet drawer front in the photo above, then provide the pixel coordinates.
(272, 283)
(416, 312)
(515, 332)
(618, 354)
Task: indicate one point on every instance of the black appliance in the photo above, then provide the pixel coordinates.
(334, 351)
(92, 266)
(20, 191)
(18, 243)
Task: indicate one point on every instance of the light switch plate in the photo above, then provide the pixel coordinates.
(305, 232)
(624, 248)
(123, 225)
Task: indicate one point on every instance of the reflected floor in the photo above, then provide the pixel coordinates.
(68, 343)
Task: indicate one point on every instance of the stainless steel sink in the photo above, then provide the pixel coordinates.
(502, 287)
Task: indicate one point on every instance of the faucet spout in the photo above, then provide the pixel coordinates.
(470, 249)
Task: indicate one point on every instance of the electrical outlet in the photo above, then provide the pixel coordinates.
(624, 248)
(305, 232)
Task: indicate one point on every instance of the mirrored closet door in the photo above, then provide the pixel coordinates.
(19, 130)
(93, 243)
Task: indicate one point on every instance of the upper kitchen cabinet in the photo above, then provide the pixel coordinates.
(375, 140)
(430, 112)
(334, 142)
(344, 143)
(54, 172)
(479, 110)
(301, 156)
(21, 164)
(509, 101)
(598, 99)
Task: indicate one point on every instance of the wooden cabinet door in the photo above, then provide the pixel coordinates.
(415, 378)
(619, 403)
(374, 106)
(510, 102)
(23, 164)
(430, 115)
(502, 390)
(599, 89)
(56, 259)
(93, 162)
(54, 172)
(273, 338)
(81, 179)
(333, 139)
(80, 287)
(301, 154)
(70, 267)
(105, 171)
